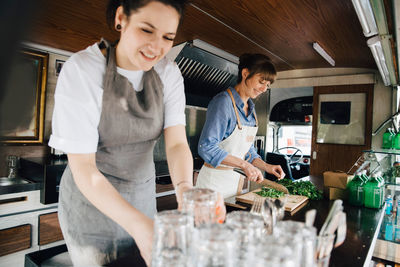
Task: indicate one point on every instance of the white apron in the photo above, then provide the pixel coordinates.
(223, 179)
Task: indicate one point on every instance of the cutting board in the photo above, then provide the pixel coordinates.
(293, 201)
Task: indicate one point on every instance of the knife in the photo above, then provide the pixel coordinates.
(266, 182)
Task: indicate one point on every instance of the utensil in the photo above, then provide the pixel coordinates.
(336, 207)
(341, 230)
(310, 217)
(257, 205)
(266, 182)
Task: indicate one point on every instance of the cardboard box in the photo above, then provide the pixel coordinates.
(336, 179)
(333, 193)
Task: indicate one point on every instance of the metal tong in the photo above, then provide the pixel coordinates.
(335, 222)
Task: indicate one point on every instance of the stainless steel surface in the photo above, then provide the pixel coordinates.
(5, 181)
(205, 74)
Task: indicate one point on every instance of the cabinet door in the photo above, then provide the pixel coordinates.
(49, 228)
(15, 239)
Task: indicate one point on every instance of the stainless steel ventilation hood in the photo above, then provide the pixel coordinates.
(206, 70)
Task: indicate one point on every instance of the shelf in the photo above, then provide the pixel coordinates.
(384, 151)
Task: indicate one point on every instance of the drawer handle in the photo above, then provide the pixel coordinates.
(12, 200)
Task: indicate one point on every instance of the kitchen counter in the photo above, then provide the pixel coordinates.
(363, 226)
(17, 188)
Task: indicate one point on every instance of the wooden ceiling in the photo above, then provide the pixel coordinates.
(282, 29)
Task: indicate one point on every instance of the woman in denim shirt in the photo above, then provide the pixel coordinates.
(226, 141)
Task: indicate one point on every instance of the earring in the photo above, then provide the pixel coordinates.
(118, 27)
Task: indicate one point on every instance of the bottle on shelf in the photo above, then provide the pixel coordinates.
(392, 131)
(396, 141)
(389, 204)
(388, 227)
(356, 190)
(387, 139)
(373, 193)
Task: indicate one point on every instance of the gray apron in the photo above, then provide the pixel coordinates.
(130, 124)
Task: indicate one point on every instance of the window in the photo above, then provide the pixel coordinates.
(295, 136)
(270, 138)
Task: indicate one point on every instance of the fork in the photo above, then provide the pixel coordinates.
(257, 205)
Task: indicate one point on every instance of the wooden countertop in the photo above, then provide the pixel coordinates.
(363, 225)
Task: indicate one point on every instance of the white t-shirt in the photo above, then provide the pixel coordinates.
(78, 99)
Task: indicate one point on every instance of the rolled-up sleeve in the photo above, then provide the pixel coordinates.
(253, 154)
(218, 120)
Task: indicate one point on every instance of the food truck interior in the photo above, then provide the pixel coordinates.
(337, 82)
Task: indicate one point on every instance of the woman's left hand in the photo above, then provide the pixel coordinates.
(275, 170)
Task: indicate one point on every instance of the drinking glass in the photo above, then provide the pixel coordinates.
(274, 251)
(215, 245)
(275, 207)
(250, 228)
(306, 236)
(279, 206)
(172, 236)
(201, 204)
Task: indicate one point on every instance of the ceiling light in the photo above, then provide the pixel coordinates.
(366, 17)
(375, 45)
(323, 53)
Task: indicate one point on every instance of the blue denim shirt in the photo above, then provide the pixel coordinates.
(220, 123)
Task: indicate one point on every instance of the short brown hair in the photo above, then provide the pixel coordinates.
(256, 63)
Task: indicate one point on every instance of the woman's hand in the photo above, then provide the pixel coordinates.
(275, 170)
(253, 173)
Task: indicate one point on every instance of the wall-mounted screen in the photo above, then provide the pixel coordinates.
(335, 112)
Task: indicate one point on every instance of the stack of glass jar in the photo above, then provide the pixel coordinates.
(366, 191)
(192, 238)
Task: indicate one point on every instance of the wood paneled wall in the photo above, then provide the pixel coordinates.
(284, 30)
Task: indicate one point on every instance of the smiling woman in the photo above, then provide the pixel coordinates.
(112, 102)
(146, 26)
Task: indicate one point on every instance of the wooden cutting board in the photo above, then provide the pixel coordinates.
(293, 201)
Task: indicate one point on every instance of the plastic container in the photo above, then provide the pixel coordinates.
(389, 204)
(356, 190)
(388, 227)
(372, 193)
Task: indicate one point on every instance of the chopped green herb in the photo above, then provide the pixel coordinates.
(303, 188)
(270, 192)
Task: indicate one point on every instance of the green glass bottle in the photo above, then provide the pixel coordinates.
(387, 139)
(372, 193)
(397, 141)
(356, 190)
(393, 137)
